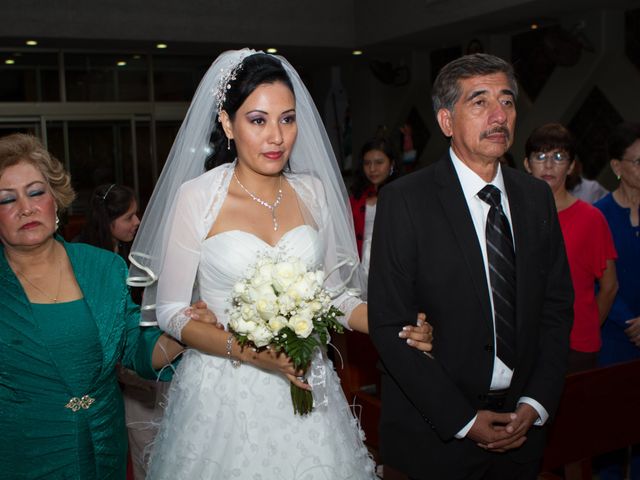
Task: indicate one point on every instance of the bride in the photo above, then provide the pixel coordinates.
(275, 189)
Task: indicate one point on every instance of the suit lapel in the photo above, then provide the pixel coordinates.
(457, 212)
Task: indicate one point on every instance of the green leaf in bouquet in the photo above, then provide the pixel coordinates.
(300, 350)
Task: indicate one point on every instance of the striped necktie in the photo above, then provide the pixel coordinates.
(502, 275)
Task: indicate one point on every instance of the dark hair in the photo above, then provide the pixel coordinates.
(255, 70)
(360, 180)
(446, 88)
(551, 136)
(622, 137)
(108, 202)
(19, 147)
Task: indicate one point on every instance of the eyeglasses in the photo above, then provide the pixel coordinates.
(556, 157)
(635, 161)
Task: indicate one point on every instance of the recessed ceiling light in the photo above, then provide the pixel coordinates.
(9, 61)
(357, 52)
(534, 26)
(161, 45)
(136, 57)
(31, 43)
(272, 50)
(122, 63)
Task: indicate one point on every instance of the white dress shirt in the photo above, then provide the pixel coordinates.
(479, 210)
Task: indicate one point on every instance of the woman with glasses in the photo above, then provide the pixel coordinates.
(621, 331)
(550, 156)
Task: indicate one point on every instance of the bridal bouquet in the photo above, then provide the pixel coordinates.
(283, 304)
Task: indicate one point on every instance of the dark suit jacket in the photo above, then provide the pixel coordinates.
(426, 258)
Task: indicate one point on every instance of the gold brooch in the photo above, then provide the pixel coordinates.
(76, 403)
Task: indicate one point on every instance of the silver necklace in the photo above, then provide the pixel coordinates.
(270, 206)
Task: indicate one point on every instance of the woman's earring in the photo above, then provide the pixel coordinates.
(618, 176)
(228, 143)
(391, 170)
(57, 221)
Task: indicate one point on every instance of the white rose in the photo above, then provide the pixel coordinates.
(301, 325)
(277, 323)
(302, 289)
(262, 275)
(319, 277)
(266, 271)
(315, 306)
(257, 292)
(242, 326)
(247, 312)
(284, 274)
(306, 311)
(267, 306)
(260, 336)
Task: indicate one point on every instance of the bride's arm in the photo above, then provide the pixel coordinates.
(180, 265)
(209, 339)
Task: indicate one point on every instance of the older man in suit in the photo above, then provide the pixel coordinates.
(479, 249)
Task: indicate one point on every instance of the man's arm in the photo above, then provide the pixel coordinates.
(546, 382)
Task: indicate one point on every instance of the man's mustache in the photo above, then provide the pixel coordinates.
(504, 130)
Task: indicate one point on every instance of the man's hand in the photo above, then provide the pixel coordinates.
(521, 421)
(633, 331)
(489, 428)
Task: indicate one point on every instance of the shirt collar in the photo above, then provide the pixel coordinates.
(471, 182)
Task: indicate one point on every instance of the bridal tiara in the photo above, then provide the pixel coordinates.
(228, 75)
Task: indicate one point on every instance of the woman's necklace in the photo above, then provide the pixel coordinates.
(270, 206)
(46, 295)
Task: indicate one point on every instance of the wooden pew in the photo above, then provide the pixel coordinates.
(599, 412)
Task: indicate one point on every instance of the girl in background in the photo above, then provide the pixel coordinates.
(377, 167)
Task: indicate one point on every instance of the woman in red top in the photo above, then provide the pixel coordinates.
(550, 156)
(377, 167)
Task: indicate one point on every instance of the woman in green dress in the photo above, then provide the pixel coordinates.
(66, 320)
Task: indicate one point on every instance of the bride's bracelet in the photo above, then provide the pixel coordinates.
(234, 362)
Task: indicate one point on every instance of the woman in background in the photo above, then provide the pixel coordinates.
(621, 208)
(377, 167)
(550, 156)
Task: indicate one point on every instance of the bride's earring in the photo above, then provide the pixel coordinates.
(228, 143)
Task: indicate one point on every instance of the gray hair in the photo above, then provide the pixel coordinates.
(446, 88)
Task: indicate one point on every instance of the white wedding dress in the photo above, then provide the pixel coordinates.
(223, 422)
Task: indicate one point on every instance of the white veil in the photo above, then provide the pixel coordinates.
(311, 155)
